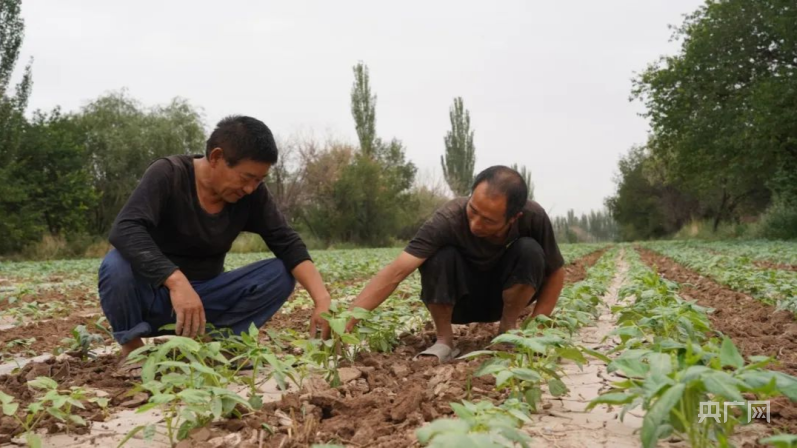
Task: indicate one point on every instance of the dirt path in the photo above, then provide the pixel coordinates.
(756, 328)
(567, 425)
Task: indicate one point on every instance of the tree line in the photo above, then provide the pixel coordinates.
(723, 141)
(66, 175)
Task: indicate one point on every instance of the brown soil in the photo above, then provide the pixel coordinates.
(392, 396)
(48, 334)
(90, 374)
(756, 328)
(576, 270)
(770, 265)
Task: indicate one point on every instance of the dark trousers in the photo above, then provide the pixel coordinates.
(234, 299)
(477, 295)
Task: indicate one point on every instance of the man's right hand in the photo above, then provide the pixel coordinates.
(187, 306)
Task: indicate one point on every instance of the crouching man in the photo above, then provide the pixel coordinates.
(173, 234)
(482, 259)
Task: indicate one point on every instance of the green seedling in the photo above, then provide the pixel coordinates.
(81, 342)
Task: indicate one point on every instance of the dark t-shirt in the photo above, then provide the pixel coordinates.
(162, 227)
(449, 227)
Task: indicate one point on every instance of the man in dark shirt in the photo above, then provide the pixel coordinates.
(173, 234)
(481, 259)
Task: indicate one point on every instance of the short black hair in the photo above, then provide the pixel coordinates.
(243, 138)
(504, 180)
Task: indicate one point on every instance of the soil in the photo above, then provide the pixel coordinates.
(756, 328)
(48, 334)
(386, 399)
(576, 270)
(91, 374)
(391, 396)
(770, 265)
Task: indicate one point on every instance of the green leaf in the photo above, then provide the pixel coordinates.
(781, 441)
(43, 382)
(462, 411)
(10, 408)
(445, 425)
(33, 440)
(724, 385)
(596, 354)
(573, 354)
(729, 354)
(556, 387)
(612, 398)
(502, 378)
(658, 413)
(527, 374)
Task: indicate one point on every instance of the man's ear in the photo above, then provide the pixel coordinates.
(216, 156)
(515, 218)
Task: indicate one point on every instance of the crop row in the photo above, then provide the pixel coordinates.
(673, 361)
(771, 285)
(524, 362)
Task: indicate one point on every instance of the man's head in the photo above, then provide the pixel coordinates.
(240, 152)
(496, 201)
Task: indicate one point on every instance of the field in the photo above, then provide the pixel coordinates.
(642, 334)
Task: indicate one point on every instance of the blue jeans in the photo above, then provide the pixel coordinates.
(234, 299)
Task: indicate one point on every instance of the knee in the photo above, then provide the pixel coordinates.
(115, 272)
(283, 281)
(529, 249)
(443, 258)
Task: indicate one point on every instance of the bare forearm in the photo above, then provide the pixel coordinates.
(377, 290)
(308, 276)
(549, 295)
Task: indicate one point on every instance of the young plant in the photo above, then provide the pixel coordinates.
(480, 424)
(187, 379)
(79, 345)
(671, 383)
(533, 362)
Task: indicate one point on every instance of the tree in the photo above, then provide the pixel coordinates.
(363, 109)
(460, 156)
(123, 137)
(526, 175)
(722, 110)
(53, 166)
(20, 218)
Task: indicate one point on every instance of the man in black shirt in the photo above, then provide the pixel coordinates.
(482, 259)
(173, 234)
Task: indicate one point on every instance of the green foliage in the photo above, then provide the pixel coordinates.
(363, 109)
(460, 155)
(770, 285)
(780, 221)
(592, 227)
(480, 424)
(123, 137)
(721, 110)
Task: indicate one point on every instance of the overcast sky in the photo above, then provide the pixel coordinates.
(547, 83)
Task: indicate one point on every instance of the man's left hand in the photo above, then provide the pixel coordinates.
(316, 321)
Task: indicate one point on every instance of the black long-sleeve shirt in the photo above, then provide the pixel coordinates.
(163, 228)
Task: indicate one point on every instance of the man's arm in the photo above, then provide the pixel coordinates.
(384, 283)
(549, 294)
(142, 212)
(308, 276)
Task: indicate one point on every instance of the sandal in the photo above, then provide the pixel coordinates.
(443, 352)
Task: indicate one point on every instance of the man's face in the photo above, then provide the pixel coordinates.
(487, 213)
(233, 183)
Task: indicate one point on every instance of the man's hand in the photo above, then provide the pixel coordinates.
(316, 321)
(187, 306)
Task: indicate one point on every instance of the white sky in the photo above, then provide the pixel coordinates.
(547, 83)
